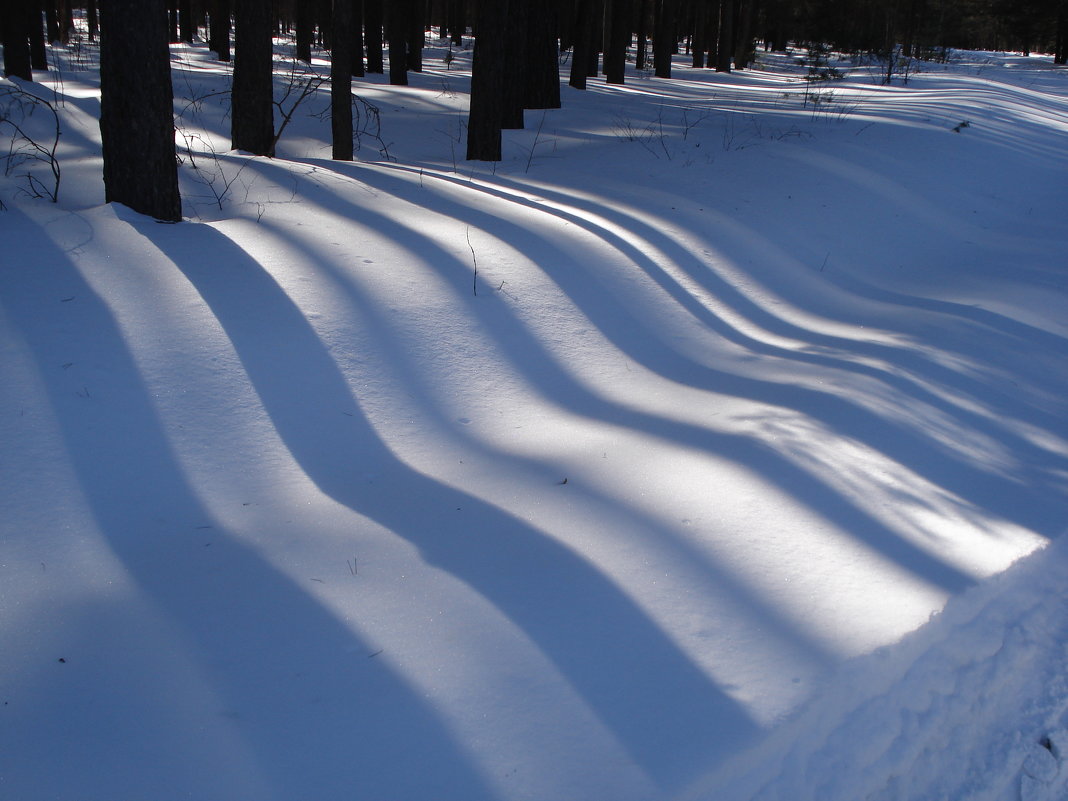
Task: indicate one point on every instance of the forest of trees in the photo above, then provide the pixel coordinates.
(517, 56)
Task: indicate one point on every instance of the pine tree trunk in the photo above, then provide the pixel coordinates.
(252, 97)
(397, 24)
(36, 31)
(341, 81)
(136, 109)
(304, 30)
(664, 34)
(615, 56)
(357, 38)
(580, 54)
(487, 82)
(726, 34)
(16, 40)
(219, 11)
(372, 35)
(541, 74)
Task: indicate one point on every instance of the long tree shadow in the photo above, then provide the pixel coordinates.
(609, 650)
(1032, 503)
(758, 612)
(524, 351)
(270, 650)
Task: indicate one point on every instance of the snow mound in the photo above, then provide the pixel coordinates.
(971, 707)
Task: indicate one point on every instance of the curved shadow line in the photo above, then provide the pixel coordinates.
(772, 466)
(900, 443)
(117, 443)
(769, 619)
(527, 576)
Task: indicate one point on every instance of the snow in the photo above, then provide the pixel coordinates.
(712, 445)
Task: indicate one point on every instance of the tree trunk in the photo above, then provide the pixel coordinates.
(726, 35)
(136, 111)
(341, 81)
(580, 54)
(487, 82)
(615, 55)
(304, 25)
(372, 35)
(541, 73)
(252, 97)
(94, 26)
(398, 21)
(219, 11)
(641, 35)
(16, 40)
(36, 32)
(416, 34)
(357, 38)
(186, 24)
(664, 36)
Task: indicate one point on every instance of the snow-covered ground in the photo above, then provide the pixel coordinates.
(682, 454)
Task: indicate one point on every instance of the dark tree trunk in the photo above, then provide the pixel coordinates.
(186, 24)
(398, 21)
(615, 56)
(744, 47)
(641, 34)
(487, 82)
(357, 38)
(51, 16)
(36, 31)
(16, 40)
(726, 34)
(372, 27)
(664, 36)
(341, 81)
(541, 74)
(583, 43)
(220, 28)
(90, 13)
(136, 112)
(699, 44)
(416, 34)
(305, 26)
(65, 12)
(252, 106)
(516, 63)
(456, 19)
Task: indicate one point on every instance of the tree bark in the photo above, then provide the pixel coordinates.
(580, 54)
(136, 109)
(16, 40)
(372, 35)
(541, 74)
(341, 81)
(615, 56)
(487, 82)
(252, 97)
(398, 22)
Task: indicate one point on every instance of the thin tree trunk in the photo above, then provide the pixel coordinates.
(357, 38)
(136, 112)
(580, 54)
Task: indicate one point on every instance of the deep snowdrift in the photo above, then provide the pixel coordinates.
(621, 469)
